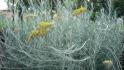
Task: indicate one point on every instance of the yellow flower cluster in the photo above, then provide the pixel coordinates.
(40, 31)
(108, 62)
(44, 26)
(79, 11)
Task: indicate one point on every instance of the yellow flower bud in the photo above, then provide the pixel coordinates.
(44, 25)
(108, 62)
(79, 11)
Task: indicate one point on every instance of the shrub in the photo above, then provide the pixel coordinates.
(74, 43)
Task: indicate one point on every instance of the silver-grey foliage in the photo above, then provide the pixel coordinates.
(74, 43)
